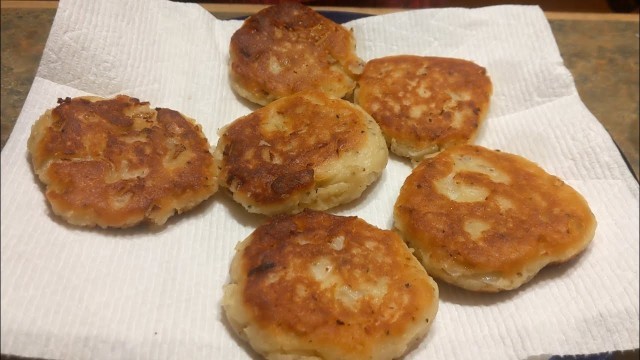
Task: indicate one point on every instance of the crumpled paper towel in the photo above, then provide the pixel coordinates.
(73, 293)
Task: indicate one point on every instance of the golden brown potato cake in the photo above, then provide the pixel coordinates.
(302, 151)
(424, 104)
(117, 162)
(289, 47)
(486, 220)
(321, 286)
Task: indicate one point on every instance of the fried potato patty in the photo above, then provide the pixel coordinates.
(302, 151)
(288, 48)
(488, 221)
(424, 104)
(320, 286)
(117, 162)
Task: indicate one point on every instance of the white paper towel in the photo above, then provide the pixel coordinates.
(74, 293)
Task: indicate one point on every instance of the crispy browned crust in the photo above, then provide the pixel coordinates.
(424, 104)
(346, 312)
(117, 162)
(527, 218)
(288, 48)
(274, 153)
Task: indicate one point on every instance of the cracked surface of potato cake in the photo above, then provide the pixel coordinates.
(290, 47)
(302, 151)
(424, 104)
(487, 220)
(320, 286)
(117, 162)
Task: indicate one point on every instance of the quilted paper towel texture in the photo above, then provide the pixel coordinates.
(155, 294)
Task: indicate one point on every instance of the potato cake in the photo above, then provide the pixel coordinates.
(488, 221)
(117, 162)
(321, 286)
(302, 151)
(290, 47)
(424, 104)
